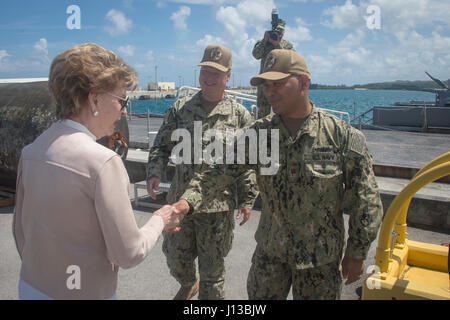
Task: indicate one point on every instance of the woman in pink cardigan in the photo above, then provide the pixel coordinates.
(73, 222)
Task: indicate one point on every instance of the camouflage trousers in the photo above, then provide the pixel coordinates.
(208, 237)
(264, 107)
(271, 279)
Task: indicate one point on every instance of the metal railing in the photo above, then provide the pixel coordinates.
(186, 89)
(235, 95)
(339, 114)
(365, 118)
(241, 97)
(371, 120)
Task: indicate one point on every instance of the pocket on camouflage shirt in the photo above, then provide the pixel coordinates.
(323, 169)
(325, 181)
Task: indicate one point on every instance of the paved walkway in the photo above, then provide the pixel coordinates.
(151, 279)
(406, 149)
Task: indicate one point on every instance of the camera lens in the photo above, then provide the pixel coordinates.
(274, 35)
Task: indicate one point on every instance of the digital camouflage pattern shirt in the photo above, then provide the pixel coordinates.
(223, 192)
(324, 170)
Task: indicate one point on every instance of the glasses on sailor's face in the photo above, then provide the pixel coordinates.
(124, 103)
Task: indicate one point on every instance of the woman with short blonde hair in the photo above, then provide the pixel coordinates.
(73, 222)
(82, 69)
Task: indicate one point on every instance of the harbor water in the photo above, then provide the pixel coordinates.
(339, 100)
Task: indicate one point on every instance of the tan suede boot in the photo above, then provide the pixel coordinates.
(186, 292)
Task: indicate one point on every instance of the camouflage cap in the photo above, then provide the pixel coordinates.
(218, 57)
(280, 64)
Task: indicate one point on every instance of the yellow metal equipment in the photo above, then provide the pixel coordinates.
(408, 269)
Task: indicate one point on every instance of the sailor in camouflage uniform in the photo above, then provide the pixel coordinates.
(206, 233)
(324, 170)
(260, 52)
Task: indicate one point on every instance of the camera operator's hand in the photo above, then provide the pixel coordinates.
(267, 38)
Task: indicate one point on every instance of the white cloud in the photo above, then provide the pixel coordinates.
(238, 21)
(345, 16)
(353, 39)
(356, 57)
(299, 33)
(318, 65)
(414, 37)
(232, 21)
(255, 12)
(347, 55)
(414, 41)
(120, 24)
(242, 56)
(345, 66)
(3, 54)
(41, 51)
(444, 62)
(127, 51)
(398, 15)
(209, 39)
(179, 17)
(206, 2)
(246, 15)
(35, 60)
(4, 60)
(351, 61)
(41, 46)
(304, 1)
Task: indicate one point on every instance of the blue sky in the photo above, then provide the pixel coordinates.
(339, 39)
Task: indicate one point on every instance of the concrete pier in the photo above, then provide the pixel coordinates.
(151, 279)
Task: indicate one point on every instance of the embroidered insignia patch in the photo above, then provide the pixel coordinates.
(270, 61)
(357, 142)
(216, 54)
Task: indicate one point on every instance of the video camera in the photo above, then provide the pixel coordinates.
(276, 33)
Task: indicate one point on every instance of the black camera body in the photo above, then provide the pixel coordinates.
(276, 33)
